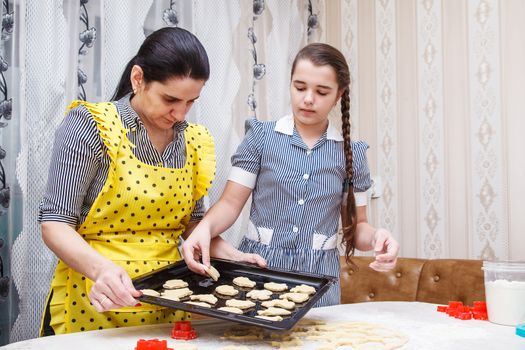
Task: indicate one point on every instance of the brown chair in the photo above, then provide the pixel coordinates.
(433, 281)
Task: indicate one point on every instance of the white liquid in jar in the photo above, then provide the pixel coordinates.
(505, 302)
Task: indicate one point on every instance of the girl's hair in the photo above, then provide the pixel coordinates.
(322, 55)
(167, 53)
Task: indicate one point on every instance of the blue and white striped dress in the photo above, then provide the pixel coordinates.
(296, 197)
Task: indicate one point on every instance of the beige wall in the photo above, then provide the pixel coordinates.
(437, 93)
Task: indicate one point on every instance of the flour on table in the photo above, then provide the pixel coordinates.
(330, 336)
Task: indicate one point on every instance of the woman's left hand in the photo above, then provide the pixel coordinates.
(386, 249)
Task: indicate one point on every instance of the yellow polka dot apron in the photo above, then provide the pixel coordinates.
(135, 221)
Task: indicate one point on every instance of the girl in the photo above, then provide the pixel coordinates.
(302, 174)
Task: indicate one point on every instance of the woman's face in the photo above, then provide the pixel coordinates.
(314, 92)
(162, 104)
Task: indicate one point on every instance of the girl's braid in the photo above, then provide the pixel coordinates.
(348, 209)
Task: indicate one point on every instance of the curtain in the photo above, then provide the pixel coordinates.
(10, 194)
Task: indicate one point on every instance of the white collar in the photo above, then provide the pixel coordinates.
(286, 124)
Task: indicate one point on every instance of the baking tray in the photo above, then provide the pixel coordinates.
(229, 270)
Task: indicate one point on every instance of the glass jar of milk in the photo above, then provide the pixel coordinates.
(505, 291)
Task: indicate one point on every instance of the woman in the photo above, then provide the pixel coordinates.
(303, 175)
(126, 182)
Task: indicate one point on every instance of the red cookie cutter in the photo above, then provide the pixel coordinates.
(152, 344)
(458, 310)
(183, 330)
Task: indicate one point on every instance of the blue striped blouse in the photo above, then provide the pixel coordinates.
(296, 197)
(80, 164)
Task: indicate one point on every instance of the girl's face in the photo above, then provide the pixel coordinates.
(162, 104)
(314, 92)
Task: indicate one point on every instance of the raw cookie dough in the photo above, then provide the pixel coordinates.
(226, 289)
(331, 336)
(170, 297)
(282, 303)
(212, 272)
(241, 304)
(303, 288)
(244, 282)
(174, 284)
(233, 310)
(176, 293)
(207, 298)
(295, 297)
(259, 294)
(270, 318)
(358, 335)
(150, 292)
(198, 303)
(274, 311)
(276, 287)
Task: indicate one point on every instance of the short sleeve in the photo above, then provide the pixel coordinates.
(361, 179)
(246, 162)
(199, 210)
(75, 159)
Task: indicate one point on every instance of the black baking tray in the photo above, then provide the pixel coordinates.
(229, 270)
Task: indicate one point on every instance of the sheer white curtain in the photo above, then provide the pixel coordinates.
(44, 45)
(51, 35)
(72, 48)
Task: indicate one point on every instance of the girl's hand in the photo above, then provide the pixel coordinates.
(224, 250)
(252, 258)
(386, 249)
(113, 289)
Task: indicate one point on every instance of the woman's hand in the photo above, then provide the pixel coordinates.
(113, 289)
(386, 249)
(197, 246)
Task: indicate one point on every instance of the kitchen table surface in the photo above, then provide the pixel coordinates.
(425, 327)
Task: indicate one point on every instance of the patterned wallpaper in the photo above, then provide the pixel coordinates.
(428, 84)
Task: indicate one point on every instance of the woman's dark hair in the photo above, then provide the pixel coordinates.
(167, 53)
(325, 55)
